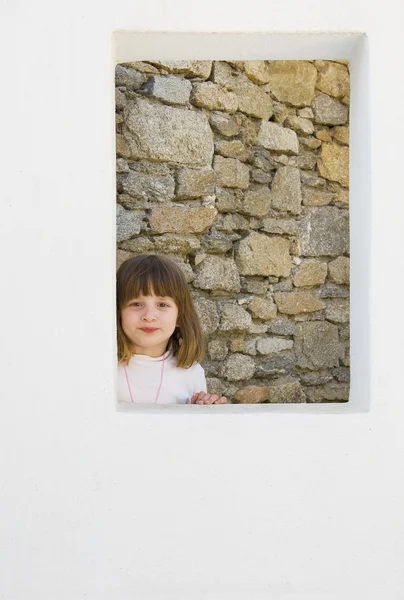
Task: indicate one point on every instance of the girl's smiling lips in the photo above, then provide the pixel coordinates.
(148, 329)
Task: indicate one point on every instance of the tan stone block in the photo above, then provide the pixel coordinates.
(286, 193)
(341, 134)
(262, 308)
(286, 390)
(324, 136)
(157, 132)
(232, 149)
(292, 81)
(252, 394)
(231, 172)
(122, 147)
(213, 97)
(343, 196)
(317, 197)
(259, 254)
(257, 71)
(333, 78)
(257, 202)
(253, 100)
(294, 303)
(334, 163)
(310, 273)
(337, 310)
(181, 219)
(280, 139)
(237, 345)
(339, 270)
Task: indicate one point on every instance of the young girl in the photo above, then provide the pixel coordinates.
(160, 339)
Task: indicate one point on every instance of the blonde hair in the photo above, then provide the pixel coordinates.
(153, 274)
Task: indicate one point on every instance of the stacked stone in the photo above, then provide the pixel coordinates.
(239, 171)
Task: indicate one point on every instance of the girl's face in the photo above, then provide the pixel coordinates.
(149, 322)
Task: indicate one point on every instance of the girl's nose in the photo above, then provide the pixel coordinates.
(148, 315)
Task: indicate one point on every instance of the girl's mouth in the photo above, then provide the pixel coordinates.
(148, 329)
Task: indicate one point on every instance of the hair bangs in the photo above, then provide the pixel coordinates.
(151, 277)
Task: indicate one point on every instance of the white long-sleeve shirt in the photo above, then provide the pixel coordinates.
(144, 374)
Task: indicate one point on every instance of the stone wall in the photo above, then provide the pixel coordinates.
(239, 171)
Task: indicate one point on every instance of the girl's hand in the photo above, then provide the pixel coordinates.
(206, 398)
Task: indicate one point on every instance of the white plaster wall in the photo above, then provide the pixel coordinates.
(103, 505)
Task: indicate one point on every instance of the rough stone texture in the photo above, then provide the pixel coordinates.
(224, 124)
(122, 166)
(232, 149)
(168, 88)
(317, 197)
(341, 134)
(159, 132)
(337, 310)
(128, 223)
(280, 226)
(333, 78)
(334, 163)
(229, 200)
(233, 317)
(338, 270)
(225, 75)
(286, 390)
(281, 326)
(310, 273)
(252, 394)
(120, 99)
(217, 349)
(216, 242)
(157, 187)
(257, 71)
(253, 101)
(286, 191)
(305, 113)
(275, 365)
(217, 273)
(129, 78)
(163, 244)
(299, 124)
(324, 231)
(280, 139)
(189, 68)
(238, 367)
(293, 303)
(122, 146)
(317, 345)
(212, 97)
(231, 172)
(193, 183)
(256, 203)
(259, 254)
(331, 391)
(328, 111)
(272, 345)
(331, 290)
(181, 219)
(232, 223)
(292, 81)
(207, 313)
(305, 160)
(315, 377)
(261, 308)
